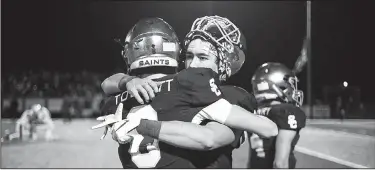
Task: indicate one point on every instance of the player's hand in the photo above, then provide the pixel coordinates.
(124, 131)
(257, 144)
(145, 86)
(108, 120)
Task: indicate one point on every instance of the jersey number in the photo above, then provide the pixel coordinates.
(292, 121)
(214, 87)
(145, 160)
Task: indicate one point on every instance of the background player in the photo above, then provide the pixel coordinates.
(34, 119)
(275, 88)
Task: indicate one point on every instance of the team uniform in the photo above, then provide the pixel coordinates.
(181, 99)
(287, 117)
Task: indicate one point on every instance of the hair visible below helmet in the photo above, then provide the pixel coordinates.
(151, 42)
(274, 81)
(229, 41)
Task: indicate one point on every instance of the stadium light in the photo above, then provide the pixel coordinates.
(345, 84)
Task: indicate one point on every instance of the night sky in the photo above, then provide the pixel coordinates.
(76, 35)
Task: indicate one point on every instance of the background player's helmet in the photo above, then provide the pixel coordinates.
(229, 41)
(151, 42)
(275, 81)
(36, 107)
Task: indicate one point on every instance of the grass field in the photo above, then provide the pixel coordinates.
(323, 144)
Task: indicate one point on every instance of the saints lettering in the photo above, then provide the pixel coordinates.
(152, 62)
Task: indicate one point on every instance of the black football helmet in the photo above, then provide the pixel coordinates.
(151, 42)
(275, 81)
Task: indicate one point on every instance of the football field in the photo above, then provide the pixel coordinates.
(323, 144)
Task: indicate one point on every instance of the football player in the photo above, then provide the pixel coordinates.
(37, 115)
(151, 51)
(275, 89)
(223, 55)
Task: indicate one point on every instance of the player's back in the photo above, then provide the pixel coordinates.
(169, 158)
(287, 117)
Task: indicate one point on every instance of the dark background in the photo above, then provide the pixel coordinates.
(77, 35)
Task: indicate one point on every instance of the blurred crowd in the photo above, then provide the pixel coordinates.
(51, 84)
(80, 90)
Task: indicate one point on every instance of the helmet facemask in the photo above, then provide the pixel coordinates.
(291, 92)
(297, 95)
(223, 34)
(288, 93)
(220, 30)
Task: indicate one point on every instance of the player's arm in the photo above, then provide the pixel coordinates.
(236, 117)
(21, 121)
(188, 135)
(111, 85)
(289, 121)
(283, 148)
(23, 117)
(193, 136)
(245, 120)
(177, 133)
(184, 134)
(211, 136)
(120, 82)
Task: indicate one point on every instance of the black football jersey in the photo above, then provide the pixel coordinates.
(288, 117)
(110, 106)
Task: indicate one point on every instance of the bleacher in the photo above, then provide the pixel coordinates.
(58, 91)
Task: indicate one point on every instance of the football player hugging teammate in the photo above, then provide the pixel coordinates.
(215, 51)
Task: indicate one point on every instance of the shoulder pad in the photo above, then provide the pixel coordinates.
(239, 96)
